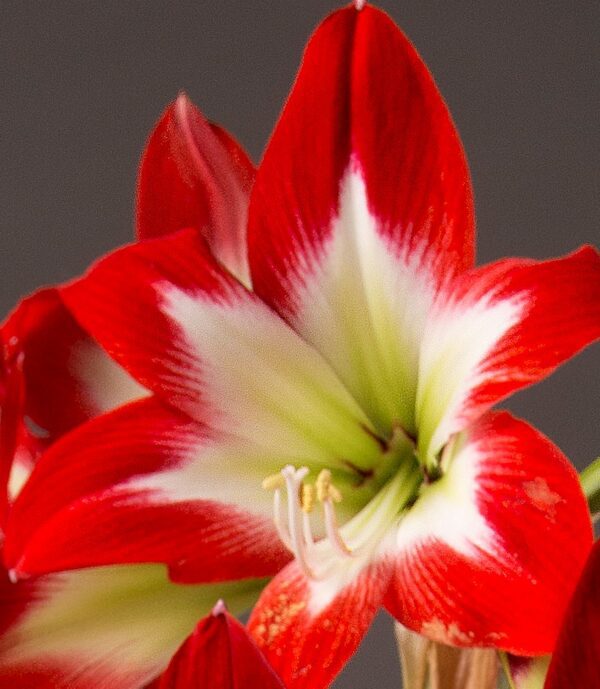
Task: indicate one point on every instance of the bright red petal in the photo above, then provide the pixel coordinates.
(575, 659)
(220, 655)
(194, 174)
(67, 377)
(143, 484)
(362, 208)
(363, 100)
(308, 630)
(490, 554)
(55, 378)
(504, 326)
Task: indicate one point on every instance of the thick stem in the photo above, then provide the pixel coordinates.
(429, 665)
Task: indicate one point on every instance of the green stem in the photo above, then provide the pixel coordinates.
(590, 481)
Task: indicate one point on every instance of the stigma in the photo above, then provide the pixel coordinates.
(315, 557)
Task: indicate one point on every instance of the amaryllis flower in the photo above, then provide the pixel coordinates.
(53, 376)
(332, 424)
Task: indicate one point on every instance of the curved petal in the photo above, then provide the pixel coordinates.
(308, 630)
(55, 378)
(504, 326)
(221, 655)
(146, 484)
(194, 335)
(62, 364)
(194, 174)
(575, 659)
(104, 627)
(362, 207)
(490, 553)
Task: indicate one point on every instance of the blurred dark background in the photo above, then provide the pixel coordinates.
(83, 82)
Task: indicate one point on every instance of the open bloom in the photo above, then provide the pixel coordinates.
(326, 411)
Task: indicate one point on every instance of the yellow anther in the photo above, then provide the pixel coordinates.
(273, 481)
(307, 497)
(322, 485)
(334, 494)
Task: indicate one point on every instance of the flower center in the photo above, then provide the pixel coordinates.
(320, 556)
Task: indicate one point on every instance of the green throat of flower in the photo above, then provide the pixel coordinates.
(307, 503)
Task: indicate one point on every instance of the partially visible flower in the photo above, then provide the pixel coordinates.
(219, 655)
(53, 375)
(102, 627)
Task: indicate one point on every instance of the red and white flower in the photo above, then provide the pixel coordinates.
(353, 381)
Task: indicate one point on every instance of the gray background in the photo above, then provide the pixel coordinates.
(82, 83)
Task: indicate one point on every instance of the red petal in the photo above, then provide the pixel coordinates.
(194, 174)
(116, 491)
(63, 368)
(308, 630)
(220, 655)
(490, 554)
(575, 659)
(363, 98)
(505, 326)
(56, 377)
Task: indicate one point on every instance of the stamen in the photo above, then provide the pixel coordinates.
(293, 480)
(296, 531)
(282, 529)
(273, 481)
(308, 497)
(333, 532)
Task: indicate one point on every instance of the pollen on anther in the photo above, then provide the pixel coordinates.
(273, 481)
(323, 484)
(307, 497)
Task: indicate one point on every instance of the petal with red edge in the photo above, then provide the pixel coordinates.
(104, 627)
(362, 207)
(575, 659)
(221, 655)
(504, 326)
(55, 377)
(67, 378)
(308, 630)
(194, 174)
(185, 328)
(490, 553)
(146, 484)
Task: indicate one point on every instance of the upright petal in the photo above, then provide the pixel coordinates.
(194, 174)
(309, 629)
(362, 207)
(504, 326)
(490, 553)
(575, 659)
(221, 655)
(105, 627)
